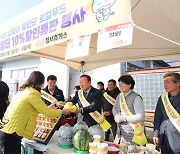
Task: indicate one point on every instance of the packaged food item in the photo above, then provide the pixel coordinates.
(66, 136)
(113, 148)
(92, 146)
(44, 135)
(92, 151)
(101, 148)
(97, 139)
(105, 146)
(45, 128)
(150, 146)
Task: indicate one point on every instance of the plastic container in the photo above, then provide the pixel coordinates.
(65, 146)
(92, 146)
(96, 138)
(92, 152)
(81, 152)
(113, 148)
(101, 148)
(28, 150)
(105, 145)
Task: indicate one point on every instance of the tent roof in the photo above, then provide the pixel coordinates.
(156, 36)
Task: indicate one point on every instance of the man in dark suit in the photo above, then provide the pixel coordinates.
(53, 90)
(93, 96)
(166, 134)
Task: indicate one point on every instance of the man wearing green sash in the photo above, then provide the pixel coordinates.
(167, 118)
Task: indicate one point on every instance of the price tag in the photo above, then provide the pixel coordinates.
(78, 47)
(115, 36)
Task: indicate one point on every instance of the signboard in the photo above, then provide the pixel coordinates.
(115, 36)
(78, 47)
(53, 22)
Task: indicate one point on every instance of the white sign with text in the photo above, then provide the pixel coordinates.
(78, 47)
(115, 36)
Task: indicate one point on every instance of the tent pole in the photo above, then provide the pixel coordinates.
(82, 67)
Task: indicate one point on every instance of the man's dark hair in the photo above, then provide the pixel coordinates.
(51, 77)
(77, 87)
(175, 76)
(127, 79)
(101, 83)
(86, 76)
(113, 81)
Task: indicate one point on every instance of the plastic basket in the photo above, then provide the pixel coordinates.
(29, 150)
(80, 152)
(65, 146)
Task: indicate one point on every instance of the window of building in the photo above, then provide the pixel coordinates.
(21, 74)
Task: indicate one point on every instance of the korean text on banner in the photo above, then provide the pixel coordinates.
(54, 22)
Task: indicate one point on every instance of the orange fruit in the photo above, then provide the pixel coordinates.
(69, 103)
(67, 106)
(73, 108)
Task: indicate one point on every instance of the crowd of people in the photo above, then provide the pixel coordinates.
(121, 107)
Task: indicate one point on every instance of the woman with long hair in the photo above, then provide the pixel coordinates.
(4, 101)
(20, 117)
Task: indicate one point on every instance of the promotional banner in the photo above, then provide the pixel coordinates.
(115, 36)
(53, 22)
(78, 47)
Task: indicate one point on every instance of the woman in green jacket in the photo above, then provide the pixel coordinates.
(20, 117)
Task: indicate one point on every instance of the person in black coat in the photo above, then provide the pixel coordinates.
(4, 101)
(53, 90)
(166, 135)
(93, 96)
(113, 91)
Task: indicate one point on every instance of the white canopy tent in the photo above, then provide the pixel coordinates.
(156, 36)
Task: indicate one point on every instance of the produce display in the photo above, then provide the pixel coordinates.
(66, 136)
(128, 149)
(70, 106)
(84, 139)
(97, 130)
(45, 128)
(80, 125)
(81, 140)
(91, 140)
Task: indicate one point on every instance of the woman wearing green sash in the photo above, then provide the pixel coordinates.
(128, 110)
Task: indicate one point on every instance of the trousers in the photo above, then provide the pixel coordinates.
(165, 147)
(10, 143)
